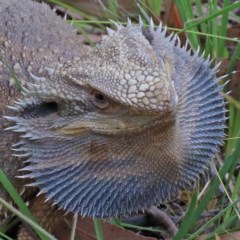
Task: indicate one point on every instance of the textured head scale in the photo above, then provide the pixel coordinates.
(130, 70)
(123, 127)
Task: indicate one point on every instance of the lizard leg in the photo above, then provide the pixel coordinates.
(48, 217)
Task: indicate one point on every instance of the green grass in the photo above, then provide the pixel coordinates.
(207, 30)
(24, 213)
(43, 234)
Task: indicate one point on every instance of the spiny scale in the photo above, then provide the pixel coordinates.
(133, 173)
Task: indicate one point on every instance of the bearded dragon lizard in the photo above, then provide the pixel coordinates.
(103, 131)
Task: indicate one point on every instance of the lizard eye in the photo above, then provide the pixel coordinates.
(100, 100)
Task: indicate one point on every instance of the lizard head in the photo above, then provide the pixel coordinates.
(123, 127)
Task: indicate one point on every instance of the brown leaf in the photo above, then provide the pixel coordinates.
(85, 231)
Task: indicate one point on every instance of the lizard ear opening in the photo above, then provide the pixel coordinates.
(42, 110)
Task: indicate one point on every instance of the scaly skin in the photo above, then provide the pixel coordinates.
(110, 130)
(31, 36)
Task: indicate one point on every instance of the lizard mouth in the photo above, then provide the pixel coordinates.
(113, 125)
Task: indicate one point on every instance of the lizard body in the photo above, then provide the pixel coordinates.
(110, 130)
(27, 44)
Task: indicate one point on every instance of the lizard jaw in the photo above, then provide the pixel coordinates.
(116, 125)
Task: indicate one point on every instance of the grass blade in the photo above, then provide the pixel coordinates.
(98, 228)
(44, 234)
